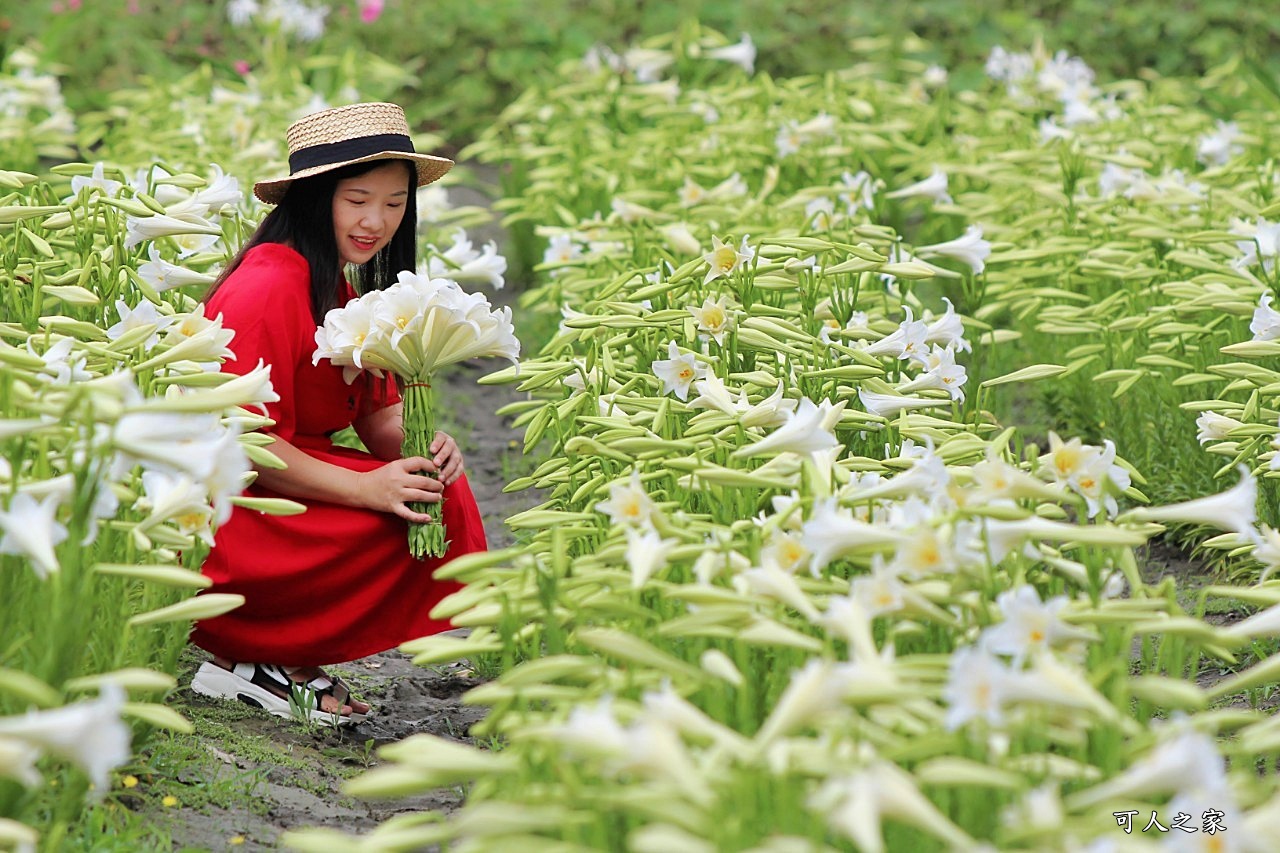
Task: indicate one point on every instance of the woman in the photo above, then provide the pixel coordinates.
(337, 582)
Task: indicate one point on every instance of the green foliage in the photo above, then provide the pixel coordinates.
(468, 60)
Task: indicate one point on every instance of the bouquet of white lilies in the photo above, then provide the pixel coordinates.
(413, 328)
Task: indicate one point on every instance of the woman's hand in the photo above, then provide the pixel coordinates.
(397, 484)
(447, 457)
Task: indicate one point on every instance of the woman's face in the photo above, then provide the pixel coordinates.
(367, 210)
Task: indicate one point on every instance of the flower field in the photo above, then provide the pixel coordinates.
(857, 398)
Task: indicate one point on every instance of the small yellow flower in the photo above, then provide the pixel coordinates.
(236, 840)
(130, 781)
(169, 801)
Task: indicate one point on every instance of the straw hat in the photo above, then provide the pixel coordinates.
(358, 133)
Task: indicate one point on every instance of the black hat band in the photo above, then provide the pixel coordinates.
(328, 153)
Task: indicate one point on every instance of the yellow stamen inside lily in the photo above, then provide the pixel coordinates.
(726, 258)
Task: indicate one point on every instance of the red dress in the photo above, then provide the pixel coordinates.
(334, 583)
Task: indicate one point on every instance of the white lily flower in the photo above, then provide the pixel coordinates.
(772, 582)
(1235, 509)
(925, 552)
(1077, 111)
(880, 592)
(731, 187)
(807, 429)
(714, 395)
(678, 372)
(561, 250)
(1030, 625)
(933, 187)
(691, 192)
(742, 54)
(772, 411)
(1262, 246)
(889, 405)
(179, 499)
(947, 330)
(1214, 427)
(970, 249)
(909, 339)
(461, 263)
(1049, 131)
(672, 710)
(226, 479)
(1051, 682)
(995, 480)
(857, 804)
(170, 442)
(1190, 757)
(1265, 324)
(812, 691)
(189, 244)
(222, 190)
(977, 687)
(821, 207)
(89, 734)
(241, 12)
(145, 314)
(789, 139)
(60, 366)
(96, 181)
(630, 212)
(162, 275)
(681, 239)
(928, 477)
(1266, 551)
(31, 531)
(832, 532)
(600, 56)
(433, 203)
(941, 372)
(723, 259)
(1215, 149)
(591, 731)
(160, 225)
(714, 318)
(716, 561)
(784, 551)
(823, 124)
(628, 502)
(1006, 66)
(1118, 180)
(1065, 460)
(194, 337)
(861, 191)
(646, 553)
(1092, 480)
(647, 64)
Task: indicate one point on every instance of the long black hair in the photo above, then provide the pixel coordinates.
(304, 220)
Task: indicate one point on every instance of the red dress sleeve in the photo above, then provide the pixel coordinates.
(266, 301)
(375, 393)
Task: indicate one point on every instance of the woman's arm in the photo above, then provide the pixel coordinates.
(387, 489)
(382, 432)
